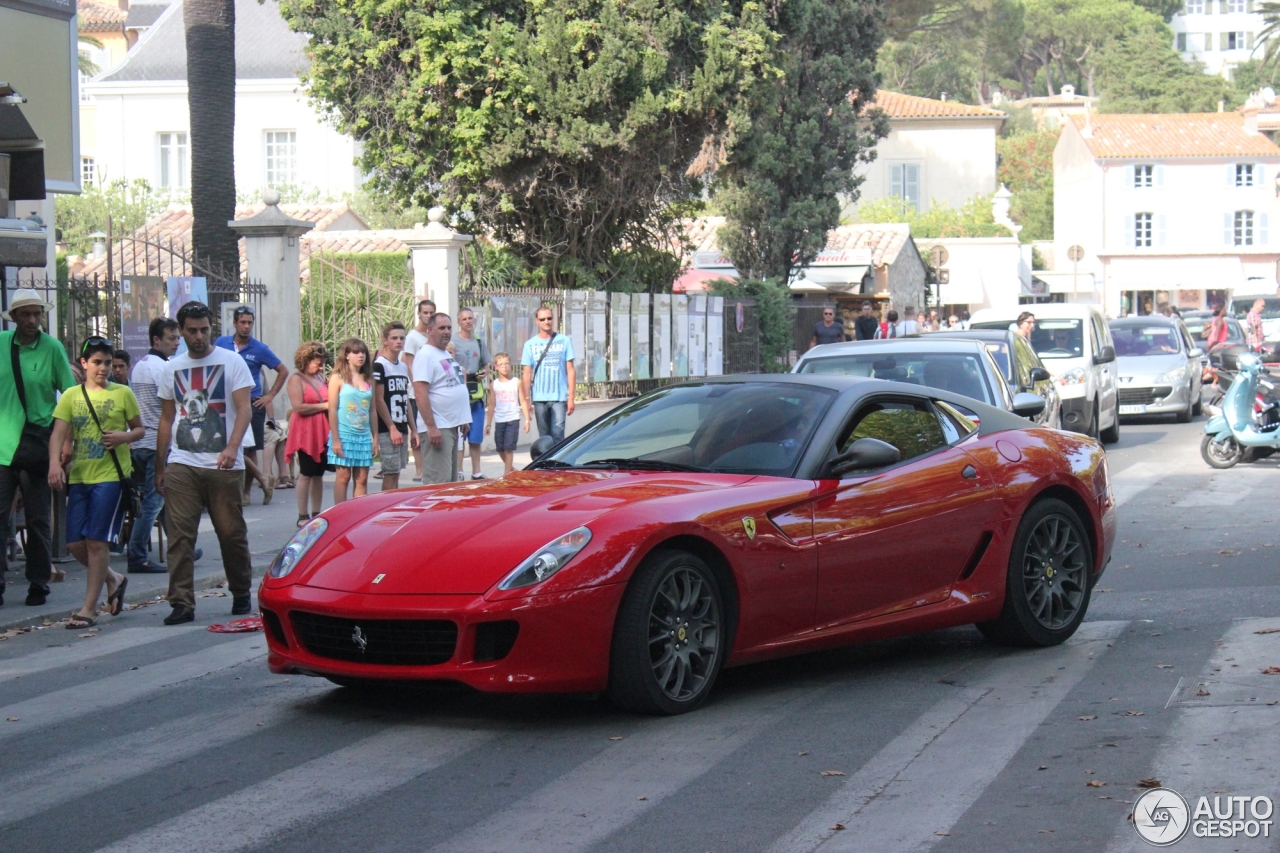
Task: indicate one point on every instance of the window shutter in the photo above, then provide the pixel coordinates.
(1160, 230)
(911, 184)
(1231, 174)
(1131, 174)
(1128, 231)
(1262, 229)
(1228, 235)
(895, 180)
(1159, 174)
(1259, 175)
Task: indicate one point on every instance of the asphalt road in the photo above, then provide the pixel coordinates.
(145, 738)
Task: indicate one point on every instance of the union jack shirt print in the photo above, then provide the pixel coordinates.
(201, 397)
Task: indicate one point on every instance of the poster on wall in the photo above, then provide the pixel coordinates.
(498, 329)
(698, 335)
(679, 335)
(662, 335)
(142, 299)
(181, 290)
(575, 325)
(715, 336)
(620, 337)
(640, 336)
(596, 356)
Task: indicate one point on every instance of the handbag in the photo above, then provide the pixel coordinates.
(32, 452)
(128, 491)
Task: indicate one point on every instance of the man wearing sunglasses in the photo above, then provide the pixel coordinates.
(33, 369)
(827, 330)
(549, 377)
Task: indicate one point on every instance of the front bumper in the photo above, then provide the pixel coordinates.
(1077, 414)
(1136, 401)
(562, 645)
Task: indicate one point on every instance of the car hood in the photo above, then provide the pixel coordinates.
(1149, 365)
(464, 538)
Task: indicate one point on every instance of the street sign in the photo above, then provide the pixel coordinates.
(1075, 253)
(944, 276)
(939, 255)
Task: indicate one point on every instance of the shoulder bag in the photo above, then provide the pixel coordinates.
(32, 453)
(128, 492)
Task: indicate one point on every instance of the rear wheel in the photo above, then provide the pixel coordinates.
(1184, 417)
(1220, 453)
(1111, 434)
(669, 640)
(1048, 584)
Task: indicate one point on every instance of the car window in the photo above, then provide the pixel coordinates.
(959, 373)
(1058, 338)
(1099, 333)
(1133, 340)
(1186, 339)
(1024, 359)
(1270, 310)
(954, 420)
(912, 427)
(1000, 352)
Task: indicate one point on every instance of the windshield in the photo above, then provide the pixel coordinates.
(1058, 338)
(959, 373)
(1134, 340)
(732, 428)
(1243, 305)
(1000, 352)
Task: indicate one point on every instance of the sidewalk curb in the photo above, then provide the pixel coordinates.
(9, 618)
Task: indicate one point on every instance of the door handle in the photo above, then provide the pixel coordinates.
(969, 472)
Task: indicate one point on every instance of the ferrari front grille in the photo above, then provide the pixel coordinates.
(397, 642)
(1142, 396)
(272, 623)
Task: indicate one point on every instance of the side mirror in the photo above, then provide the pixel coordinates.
(1028, 405)
(540, 447)
(1039, 374)
(1196, 352)
(865, 454)
(1106, 356)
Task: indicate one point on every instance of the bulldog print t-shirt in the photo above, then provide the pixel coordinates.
(204, 411)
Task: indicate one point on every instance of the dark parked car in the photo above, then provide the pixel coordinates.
(1023, 370)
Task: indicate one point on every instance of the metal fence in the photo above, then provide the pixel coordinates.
(339, 303)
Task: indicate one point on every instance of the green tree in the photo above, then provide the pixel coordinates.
(1270, 34)
(565, 126)
(777, 317)
(974, 219)
(128, 204)
(1026, 168)
(957, 54)
(782, 188)
(1142, 73)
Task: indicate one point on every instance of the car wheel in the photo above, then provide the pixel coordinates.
(1197, 409)
(1111, 434)
(1092, 429)
(669, 640)
(1184, 417)
(1222, 453)
(1047, 588)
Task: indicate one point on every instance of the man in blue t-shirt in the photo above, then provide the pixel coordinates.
(256, 355)
(549, 377)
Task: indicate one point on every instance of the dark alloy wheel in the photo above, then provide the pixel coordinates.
(669, 640)
(1048, 584)
(1220, 453)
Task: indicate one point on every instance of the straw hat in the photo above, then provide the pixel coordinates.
(25, 298)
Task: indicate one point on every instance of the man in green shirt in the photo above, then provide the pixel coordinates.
(27, 400)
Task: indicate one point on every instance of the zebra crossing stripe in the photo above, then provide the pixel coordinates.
(45, 659)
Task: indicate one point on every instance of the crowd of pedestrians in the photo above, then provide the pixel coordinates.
(868, 326)
(168, 437)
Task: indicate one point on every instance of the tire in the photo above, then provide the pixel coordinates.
(1047, 589)
(1092, 429)
(669, 641)
(1198, 408)
(1220, 454)
(1111, 434)
(1184, 417)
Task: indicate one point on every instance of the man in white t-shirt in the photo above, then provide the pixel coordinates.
(415, 340)
(204, 413)
(440, 388)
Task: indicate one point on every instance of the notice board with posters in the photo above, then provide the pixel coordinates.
(575, 326)
(662, 335)
(620, 337)
(679, 335)
(698, 335)
(640, 336)
(715, 336)
(596, 358)
(142, 299)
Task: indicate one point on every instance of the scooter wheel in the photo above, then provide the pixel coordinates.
(1220, 454)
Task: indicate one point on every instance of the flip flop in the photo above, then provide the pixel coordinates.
(78, 622)
(115, 601)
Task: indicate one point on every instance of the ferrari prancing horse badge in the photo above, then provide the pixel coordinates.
(749, 525)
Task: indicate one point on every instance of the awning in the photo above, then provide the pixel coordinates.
(832, 279)
(699, 281)
(1056, 281)
(1186, 273)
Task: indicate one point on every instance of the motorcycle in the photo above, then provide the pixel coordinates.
(1247, 420)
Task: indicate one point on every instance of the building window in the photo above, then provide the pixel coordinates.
(1181, 41)
(88, 172)
(1245, 174)
(1144, 175)
(1232, 41)
(1142, 230)
(1244, 228)
(1233, 6)
(281, 157)
(1193, 7)
(904, 183)
(174, 156)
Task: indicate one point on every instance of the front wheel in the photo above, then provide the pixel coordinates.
(669, 642)
(1220, 453)
(1048, 584)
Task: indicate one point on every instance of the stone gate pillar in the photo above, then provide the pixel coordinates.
(271, 241)
(437, 252)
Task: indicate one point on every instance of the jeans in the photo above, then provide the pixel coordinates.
(189, 491)
(550, 417)
(37, 506)
(144, 466)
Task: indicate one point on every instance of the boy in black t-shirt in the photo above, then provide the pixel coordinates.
(392, 396)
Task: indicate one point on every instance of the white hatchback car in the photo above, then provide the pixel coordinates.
(1075, 345)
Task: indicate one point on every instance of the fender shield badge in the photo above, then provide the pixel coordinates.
(749, 525)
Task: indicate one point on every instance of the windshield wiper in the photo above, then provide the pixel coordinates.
(642, 465)
(551, 463)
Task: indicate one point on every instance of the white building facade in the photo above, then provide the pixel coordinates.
(142, 124)
(1175, 210)
(1220, 33)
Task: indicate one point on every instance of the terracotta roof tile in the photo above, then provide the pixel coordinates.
(898, 105)
(1172, 135)
(94, 16)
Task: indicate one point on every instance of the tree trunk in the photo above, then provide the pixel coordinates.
(211, 99)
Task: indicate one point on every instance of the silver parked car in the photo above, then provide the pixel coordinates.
(1158, 367)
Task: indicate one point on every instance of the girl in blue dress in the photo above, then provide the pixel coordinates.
(353, 420)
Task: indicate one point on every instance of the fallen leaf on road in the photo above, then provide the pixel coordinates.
(1271, 670)
(803, 752)
(1228, 552)
(832, 773)
(1043, 767)
(1095, 783)
(1111, 744)
(1133, 714)
(82, 636)
(1148, 783)
(1164, 666)
(616, 738)
(1202, 693)
(836, 827)
(13, 719)
(642, 799)
(1090, 772)
(1268, 631)
(1045, 831)
(1087, 718)
(940, 832)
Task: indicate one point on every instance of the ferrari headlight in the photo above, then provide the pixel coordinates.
(547, 560)
(290, 555)
(1074, 376)
(1173, 377)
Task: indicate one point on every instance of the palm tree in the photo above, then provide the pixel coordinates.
(87, 66)
(1269, 38)
(211, 99)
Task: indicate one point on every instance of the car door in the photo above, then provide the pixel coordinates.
(1105, 373)
(898, 538)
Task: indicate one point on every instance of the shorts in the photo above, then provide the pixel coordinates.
(395, 458)
(258, 423)
(309, 466)
(94, 511)
(506, 435)
(475, 435)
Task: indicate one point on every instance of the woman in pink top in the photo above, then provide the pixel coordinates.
(309, 427)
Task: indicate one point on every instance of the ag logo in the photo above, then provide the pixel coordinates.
(1161, 816)
(749, 525)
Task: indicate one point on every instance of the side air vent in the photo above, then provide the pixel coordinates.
(979, 551)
